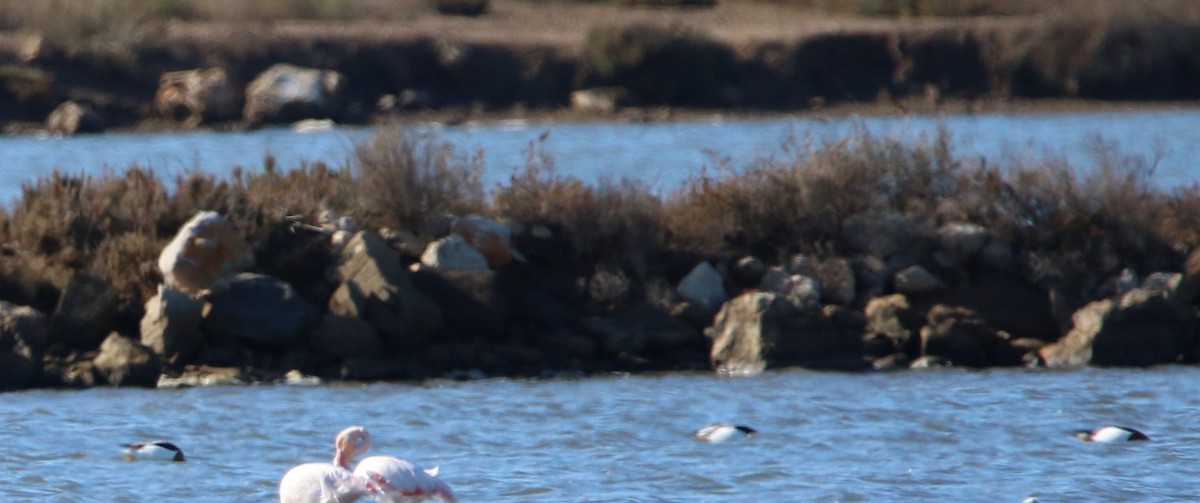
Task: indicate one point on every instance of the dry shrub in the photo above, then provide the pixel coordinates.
(972, 8)
(1106, 50)
(402, 178)
(65, 217)
(668, 3)
(1178, 220)
(196, 191)
(1092, 223)
(299, 193)
(27, 280)
(469, 8)
(777, 206)
(86, 26)
(129, 263)
(107, 226)
(613, 223)
(276, 10)
(659, 64)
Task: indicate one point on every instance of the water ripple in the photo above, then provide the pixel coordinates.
(950, 435)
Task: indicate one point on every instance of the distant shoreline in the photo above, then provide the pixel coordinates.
(738, 59)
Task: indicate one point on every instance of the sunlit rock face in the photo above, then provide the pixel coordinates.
(288, 93)
(204, 255)
(22, 343)
(197, 96)
(491, 238)
(171, 325)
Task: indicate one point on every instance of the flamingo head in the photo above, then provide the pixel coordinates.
(349, 444)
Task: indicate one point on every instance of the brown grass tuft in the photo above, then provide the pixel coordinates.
(402, 178)
(777, 206)
(1089, 226)
(613, 223)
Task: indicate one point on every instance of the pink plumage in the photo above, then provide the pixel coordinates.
(400, 481)
(386, 479)
(330, 482)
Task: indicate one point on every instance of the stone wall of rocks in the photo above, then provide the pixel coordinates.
(486, 310)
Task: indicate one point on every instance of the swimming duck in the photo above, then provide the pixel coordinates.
(164, 451)
(721, 432)
(1111, 434)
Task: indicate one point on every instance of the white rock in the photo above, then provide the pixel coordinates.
(453, 252)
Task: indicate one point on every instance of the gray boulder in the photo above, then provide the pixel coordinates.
(492, 238)
(962, 240)
(73, 117)
(894, 318)
(838, 284)
(747, 271)
(871, 277)
(473, 303)
(881, 234)
(85, 313)
(197, 96)
(22, 344)
(346, 337)
(1166, 283)
(123, 362)
(604, 100)
(261, 310)
(802, 264)
(171, 326)
(917, 280)
(644, 331)
(454, 252)
(375, 286)
(703, 287)
(286, 93)
(800, 291)
(1142, 327)
(760, 330)
(959, 335)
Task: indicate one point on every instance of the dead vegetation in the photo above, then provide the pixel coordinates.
(1091, 222)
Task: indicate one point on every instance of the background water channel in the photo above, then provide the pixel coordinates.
(661, 154)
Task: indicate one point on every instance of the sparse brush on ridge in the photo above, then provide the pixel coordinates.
(616, 223)
(403, 176)
(1091, 220)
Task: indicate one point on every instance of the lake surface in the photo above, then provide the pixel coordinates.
(940, 435)
(936, 435)
(661, 154)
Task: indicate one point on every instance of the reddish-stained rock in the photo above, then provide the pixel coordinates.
(205, 255)
(491, 238)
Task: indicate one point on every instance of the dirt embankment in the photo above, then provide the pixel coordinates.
(529, 58)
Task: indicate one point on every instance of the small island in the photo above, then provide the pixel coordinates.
(858, 254)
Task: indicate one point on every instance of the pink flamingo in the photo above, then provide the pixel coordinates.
(331, 482)
(400, 481)
(394, 480)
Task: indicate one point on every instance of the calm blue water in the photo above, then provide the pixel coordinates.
(661, 154)
(939, 435)
(945, 435)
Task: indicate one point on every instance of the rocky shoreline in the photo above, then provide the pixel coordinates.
(489, 299)
(243, 76)
(816, 263)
